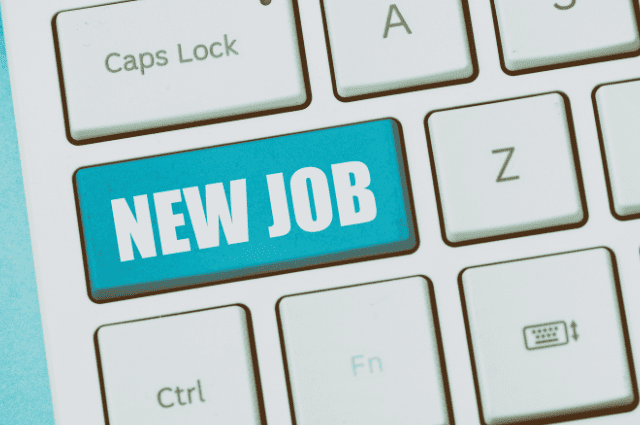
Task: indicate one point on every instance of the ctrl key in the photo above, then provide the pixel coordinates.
(192, 368)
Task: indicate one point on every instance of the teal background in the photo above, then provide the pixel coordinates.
(377, 144)
(25, 396)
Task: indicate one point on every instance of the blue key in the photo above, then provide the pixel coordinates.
(245, 210)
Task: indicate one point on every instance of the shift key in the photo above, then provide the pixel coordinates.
(144, 66)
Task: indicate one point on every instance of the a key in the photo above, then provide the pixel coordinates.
(543, 33)
(365, 355)
(181, 369)
(505, 169)
(377, 47)
(549, 338)
(145, 65)
(618, 109)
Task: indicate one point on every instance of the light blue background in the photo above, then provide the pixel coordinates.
(377, 144)
(25, 396)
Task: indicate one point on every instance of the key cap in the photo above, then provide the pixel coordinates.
(364, 355)
(577, 293)
(378, 47)
(145, 65)
(617, 111)
(180, 369)
(540, 33)
(504, 169)
(245, 210)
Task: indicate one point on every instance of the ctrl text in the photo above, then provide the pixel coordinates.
(168, 397)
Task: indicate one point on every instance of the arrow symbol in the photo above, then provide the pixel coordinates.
(575, 334)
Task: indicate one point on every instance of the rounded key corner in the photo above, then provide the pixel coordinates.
(94, 299)
(74, 176)
(279, 303)
(97, 332)
(462, 272)
(343, 97)
(396, 122)
(306, 98)
(77, 138)
(510, 67)
(415, 245)
(428, 284)
(54, 22)
(243, 308)
(428, 121)
(635, 399)
(623, 218)
(595, 91)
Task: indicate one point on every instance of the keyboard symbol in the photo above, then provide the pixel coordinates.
(545, 335)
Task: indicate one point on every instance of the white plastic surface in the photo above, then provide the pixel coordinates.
(618, 110)
(69, 317)
(365, 355)
(255, 65)
(548, 32)
(378, 46)
(589, 373)
(538, 187)
(192, 368)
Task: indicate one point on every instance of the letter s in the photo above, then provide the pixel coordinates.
(162, 60)
(106, 63)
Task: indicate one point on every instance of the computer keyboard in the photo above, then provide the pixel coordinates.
(337, 211)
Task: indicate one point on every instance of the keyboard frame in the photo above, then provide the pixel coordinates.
(69, 317)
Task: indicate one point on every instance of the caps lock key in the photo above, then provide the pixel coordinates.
(141, 66)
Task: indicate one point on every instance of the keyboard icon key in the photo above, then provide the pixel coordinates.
(545, 335)
(245, 210)
(590, 371)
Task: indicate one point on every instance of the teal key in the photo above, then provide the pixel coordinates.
(245, 210)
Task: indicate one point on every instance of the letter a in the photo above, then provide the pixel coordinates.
(402, 22)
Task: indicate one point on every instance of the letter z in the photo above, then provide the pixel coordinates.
(506, 163)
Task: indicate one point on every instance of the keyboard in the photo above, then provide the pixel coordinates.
(333, 211)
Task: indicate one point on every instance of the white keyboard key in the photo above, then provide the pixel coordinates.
(147, 64)
(538, 33)
(364, 355)
(378, 47)
(618, 112)
(504, 168)
(548, 339)
(191, 368)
